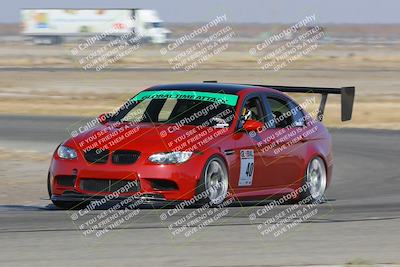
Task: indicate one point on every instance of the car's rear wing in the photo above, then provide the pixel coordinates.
(347, 96)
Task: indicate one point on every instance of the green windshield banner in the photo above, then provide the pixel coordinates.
(227, 99)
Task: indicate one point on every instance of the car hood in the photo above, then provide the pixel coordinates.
(146, 137)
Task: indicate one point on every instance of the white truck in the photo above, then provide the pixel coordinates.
(52, 26)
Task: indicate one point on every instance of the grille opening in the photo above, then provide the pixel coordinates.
(65, 180)
(125, 157)
(98, 156)
(163, 185)
(108, 185)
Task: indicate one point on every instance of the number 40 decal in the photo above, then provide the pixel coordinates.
(250, 169)
(246, 167)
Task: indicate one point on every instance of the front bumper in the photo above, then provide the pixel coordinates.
(151, 178)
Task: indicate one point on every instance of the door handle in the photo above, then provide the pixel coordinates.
(303, 140)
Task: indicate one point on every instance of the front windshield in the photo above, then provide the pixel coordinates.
(181, 107)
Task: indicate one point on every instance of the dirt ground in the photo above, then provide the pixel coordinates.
(78, 93)
(48, 80)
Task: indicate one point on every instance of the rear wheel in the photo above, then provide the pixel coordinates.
(214, 181)
(315, 181)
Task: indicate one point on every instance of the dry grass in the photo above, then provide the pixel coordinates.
(373, 70)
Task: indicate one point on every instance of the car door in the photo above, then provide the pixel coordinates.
(249, 170)
(283, 149)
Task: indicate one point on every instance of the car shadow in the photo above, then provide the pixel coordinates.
(52, 207)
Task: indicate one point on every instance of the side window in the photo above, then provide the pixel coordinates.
(281, 111)
(253, 110)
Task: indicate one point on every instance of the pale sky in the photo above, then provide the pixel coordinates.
(249, 11)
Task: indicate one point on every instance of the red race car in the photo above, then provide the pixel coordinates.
(200, 142)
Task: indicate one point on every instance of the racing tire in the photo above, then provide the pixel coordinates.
(214, 182)
(315, 182)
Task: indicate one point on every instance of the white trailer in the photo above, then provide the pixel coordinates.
(51, 26)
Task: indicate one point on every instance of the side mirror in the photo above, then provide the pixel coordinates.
(252, 125)
(103, 118)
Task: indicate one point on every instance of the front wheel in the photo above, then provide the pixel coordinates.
(214, 181)
(315, 181)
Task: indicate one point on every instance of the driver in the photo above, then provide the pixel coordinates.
(249, 111)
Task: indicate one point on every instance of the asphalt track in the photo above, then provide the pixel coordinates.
(359, 222)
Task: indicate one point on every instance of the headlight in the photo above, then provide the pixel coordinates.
(65, 152)
(170, 157)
